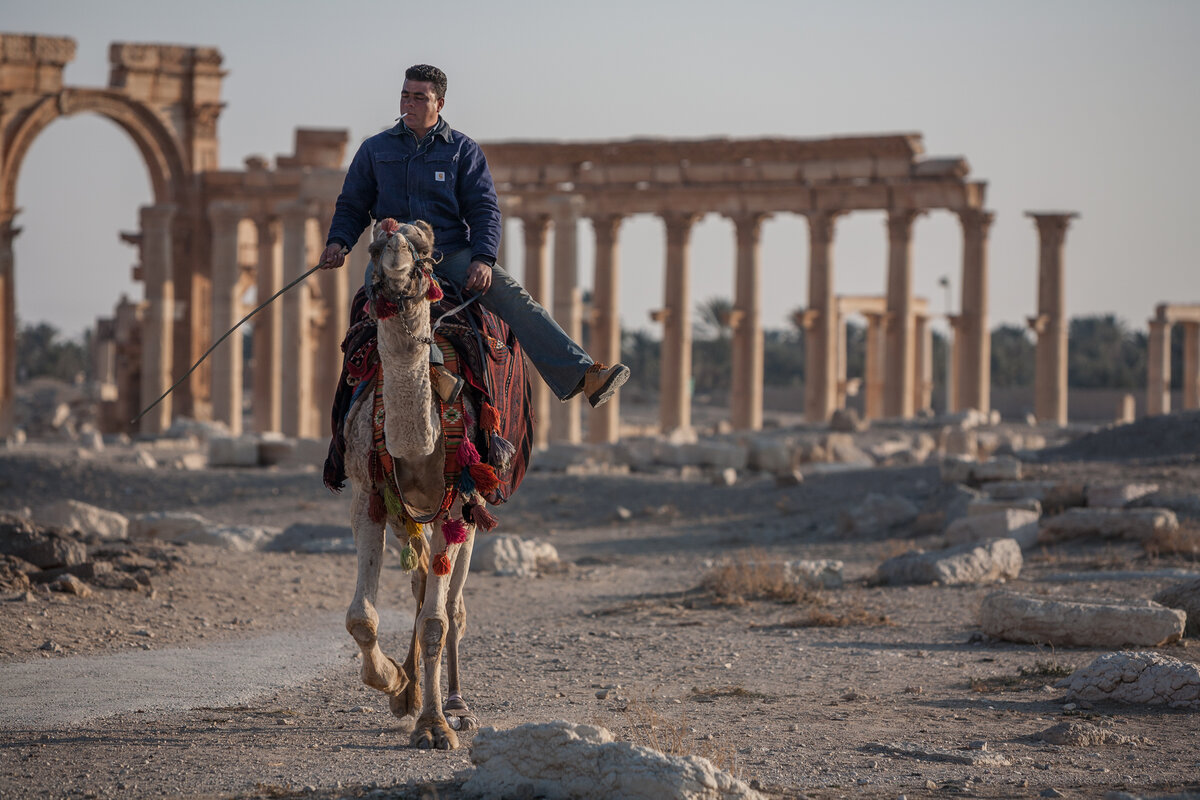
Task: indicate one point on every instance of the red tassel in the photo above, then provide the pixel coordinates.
(455, 531)
(377, 511)
(467, 454)
(489, 417)
(435, 292)
(389, 226)
(485, 477)
(441, 564)
(483, 518)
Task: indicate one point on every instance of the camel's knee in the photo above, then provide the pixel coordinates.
(362, 621)
(456, 610)
(433, 634)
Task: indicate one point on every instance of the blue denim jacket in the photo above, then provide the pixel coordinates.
(442, 179)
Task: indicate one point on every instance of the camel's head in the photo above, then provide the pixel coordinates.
(403, 258)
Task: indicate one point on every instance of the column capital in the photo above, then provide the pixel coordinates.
(157, 214)
(535, 227)
(976, 219)
(749, 223)
(227, 213)
(298, 209)
(821, 224)
(1052, 225)
(607, 225)
(900, 222)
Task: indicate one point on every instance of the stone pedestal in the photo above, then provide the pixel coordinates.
(158, 322)
(537, 283)
(675, 405)
(746, 398)
(1050, 379)
(224, 217)
(604, 424)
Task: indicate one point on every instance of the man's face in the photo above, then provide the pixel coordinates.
(420, 102)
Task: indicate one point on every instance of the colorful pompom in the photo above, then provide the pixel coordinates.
(376, 510)
(455, 531)
(482, 517)
(489, 418)
(466, 484)
(485, 477)
(501, 454)
(441, 564)
(467, 454)
(412, 528)
(435, 292)
(389, 226)
(408, 558)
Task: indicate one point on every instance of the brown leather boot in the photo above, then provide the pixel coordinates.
(601, 382)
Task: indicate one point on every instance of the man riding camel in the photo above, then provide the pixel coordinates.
(422, 169)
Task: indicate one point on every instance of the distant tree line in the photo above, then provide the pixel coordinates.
(41, 352)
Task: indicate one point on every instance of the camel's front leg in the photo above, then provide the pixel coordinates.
(378, 671)
(432, 626)
(456, 611)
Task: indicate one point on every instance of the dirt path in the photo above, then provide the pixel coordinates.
(620, 636)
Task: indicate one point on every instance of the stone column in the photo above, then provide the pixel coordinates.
(297, 411)
(8, 325)
(565, 422)
(954, 365)
(1158, 369)
(746, 401)
(224, 217)
(268, 329)
(1050, 400)
(675, 401)
(923, 365)
(820, 339)
(158, 323)
(604, 424)
(873, 376)
(537, 283)
(973, 365)
(1191, 365)
(901, 344)
(330, 325)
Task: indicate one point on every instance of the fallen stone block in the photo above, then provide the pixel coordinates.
(557, 457)
(45, 548)
(877, 514)
(841, 448)
(274, 450)
(846, 420)
(302, 537)
(1117, 495)
(230, 451)
(825, 573)
(1073, 623)
(168, 526)
(961, 469)
(987, 505)
(775, 456)
(975, 758)
(1137, 524)
(561, 760)
(69, 584)
(1085, 734)
(1008, 523)
(1019, 490)
(512, 556)
(239, 538)
(983, 562)
(637, 454)
(1185, 597)
(191, 462)
(720, 455)
(1139, 678)
(87, 519)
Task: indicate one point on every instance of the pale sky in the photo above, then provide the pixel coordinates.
(1084, 105)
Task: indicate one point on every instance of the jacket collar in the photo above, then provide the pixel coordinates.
(441, 129)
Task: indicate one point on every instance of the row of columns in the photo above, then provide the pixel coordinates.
(1158, 366)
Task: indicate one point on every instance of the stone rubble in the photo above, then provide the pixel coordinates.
(1185, 597)
(1137, 678)
(511, 556)
(1137, 524)
(972, 563)
(85, 518)
(1035, 620)
(1009, 523)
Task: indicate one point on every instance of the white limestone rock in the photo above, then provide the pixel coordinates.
(825, 573)
(1137, 524)
(565, 761)
(1035, 620)
(1141, 678)
(987, 505)
(85, 518)
(1008, 523)
(842, 449)
(972, 563)
(1117, 495)
(239, 538)
(511, 556)
(878, 513)
(168, 526)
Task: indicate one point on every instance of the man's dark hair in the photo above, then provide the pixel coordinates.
(426, 72)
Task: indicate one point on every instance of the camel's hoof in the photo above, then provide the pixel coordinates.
(464, 722)
(436, 735)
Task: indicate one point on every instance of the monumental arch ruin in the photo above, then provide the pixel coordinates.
(211, 235)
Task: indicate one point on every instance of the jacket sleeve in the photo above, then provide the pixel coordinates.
(478, 204)
(352, 212)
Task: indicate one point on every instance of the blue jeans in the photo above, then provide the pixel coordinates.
(560, 361)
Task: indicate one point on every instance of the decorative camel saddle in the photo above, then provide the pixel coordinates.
(485, 455)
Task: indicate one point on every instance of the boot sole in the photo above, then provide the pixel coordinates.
(614, 382)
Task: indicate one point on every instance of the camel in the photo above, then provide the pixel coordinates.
(440, 536)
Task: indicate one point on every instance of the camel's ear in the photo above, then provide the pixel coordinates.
(427, 230)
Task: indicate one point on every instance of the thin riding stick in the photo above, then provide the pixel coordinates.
(268, 302)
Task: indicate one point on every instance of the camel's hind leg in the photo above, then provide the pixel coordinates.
(432, 628)
(362, 620)
(456, 611)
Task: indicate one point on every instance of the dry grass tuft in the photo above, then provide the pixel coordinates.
(754, 575)
(646, 727)
(711, 694)
(1183, 541)
(853, 616)
(1027, 678)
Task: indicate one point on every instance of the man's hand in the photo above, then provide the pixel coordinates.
(333, 257)
(479, 277)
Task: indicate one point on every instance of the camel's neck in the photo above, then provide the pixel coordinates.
(407, 395)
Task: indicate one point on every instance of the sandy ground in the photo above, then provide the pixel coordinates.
(246, 685)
